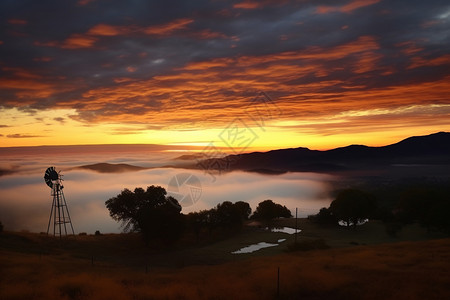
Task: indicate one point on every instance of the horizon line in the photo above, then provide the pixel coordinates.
(200, 147)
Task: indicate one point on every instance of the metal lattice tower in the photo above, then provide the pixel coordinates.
(59, 212)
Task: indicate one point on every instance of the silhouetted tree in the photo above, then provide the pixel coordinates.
(428, 206)
(225, 216)
(244, 209)
(148, 211)
(198, 221)
(1, 227)
(268, 210)
(352, 205)
(324, 216)
(228, 215)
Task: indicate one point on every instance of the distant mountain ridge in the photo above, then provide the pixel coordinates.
(433, 149)
(111, 168)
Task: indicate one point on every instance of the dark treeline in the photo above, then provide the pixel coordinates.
(158, 216)
(426, 202)
(230, 217)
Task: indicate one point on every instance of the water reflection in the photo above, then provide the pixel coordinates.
(287, 230)
(254, 247)
(347, 224)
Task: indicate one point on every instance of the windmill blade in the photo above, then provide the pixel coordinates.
(50, 175)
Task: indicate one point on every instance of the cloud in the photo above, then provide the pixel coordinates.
(251, 4)
(60, 120)
(92, 36)
(75, 41)
(108, 30)
(347, 8)
(21, 136)
(247, 4)
(316, 58)
(168, 28)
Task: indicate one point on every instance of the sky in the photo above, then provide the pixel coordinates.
(236, 74)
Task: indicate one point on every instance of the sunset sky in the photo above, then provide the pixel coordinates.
(258, 74)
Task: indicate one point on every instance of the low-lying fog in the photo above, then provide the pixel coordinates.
(25, 199)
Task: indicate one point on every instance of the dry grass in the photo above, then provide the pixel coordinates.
(407, 270)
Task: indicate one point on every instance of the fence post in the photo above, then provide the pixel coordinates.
(278, 283)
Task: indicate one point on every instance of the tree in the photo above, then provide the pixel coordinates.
(198, 221)
(244, 209)
(149, 212)
(352, 206)
(228, 215)
(324, 216)
(268, 210)
(1, 227)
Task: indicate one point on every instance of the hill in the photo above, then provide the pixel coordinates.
(111, 168)
(431, 150)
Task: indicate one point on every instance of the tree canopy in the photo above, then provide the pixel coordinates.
(268, 210)
(148, 211)
(352, 206)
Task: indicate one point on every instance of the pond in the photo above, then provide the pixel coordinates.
(262, 245)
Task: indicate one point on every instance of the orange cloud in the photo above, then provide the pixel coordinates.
(26, 89)
(30, 87)
(357, 4)
(216, 86)
(362, 44)
(131, 69)
(247, 4)
(347, 8)
(162, 29)
(409, 47)
(251, 4)
(88, 39)
(76, 41)
(107, 30)
(209, 94)
(419, 61)
(168, 28)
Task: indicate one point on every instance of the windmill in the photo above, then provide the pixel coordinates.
(59, 212)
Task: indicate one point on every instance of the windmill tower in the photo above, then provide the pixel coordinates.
(59, 212)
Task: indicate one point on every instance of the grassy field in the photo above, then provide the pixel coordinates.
(361, 264)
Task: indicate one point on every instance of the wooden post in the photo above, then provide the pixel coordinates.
(296, 209)
(278, 283)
